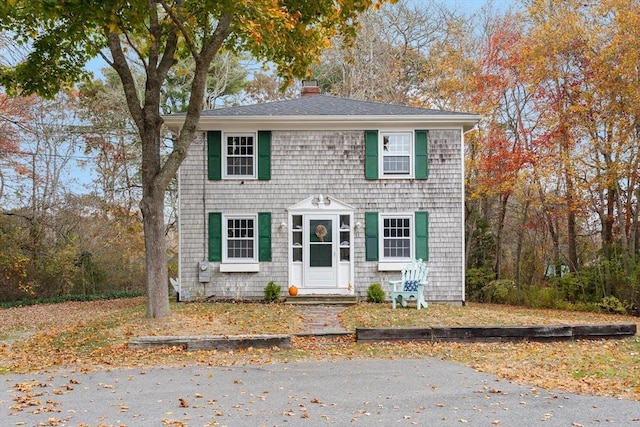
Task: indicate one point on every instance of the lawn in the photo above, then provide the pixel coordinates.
(93, 335)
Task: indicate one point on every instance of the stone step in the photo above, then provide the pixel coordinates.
(317, 299)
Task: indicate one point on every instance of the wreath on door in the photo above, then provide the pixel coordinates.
(321, 232)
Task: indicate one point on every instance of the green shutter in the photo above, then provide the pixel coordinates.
(214, 154)
(215, 236)
(422, 154)
(371, 235)
(371, 154)
(264, 236)
(422, 235)
(264, 155)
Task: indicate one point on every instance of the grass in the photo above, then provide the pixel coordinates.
(381, 315)
(93, 335)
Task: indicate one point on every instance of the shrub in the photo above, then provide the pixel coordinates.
(502, 291)
(272, 292)
(613, 305)
(375, 293)
(542, 297)
(475, 280)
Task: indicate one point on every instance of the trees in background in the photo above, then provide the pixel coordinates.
(154, 36)
(54, 242)
(577, 155)
(552, 172)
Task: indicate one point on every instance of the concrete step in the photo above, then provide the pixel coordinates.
(317, 299)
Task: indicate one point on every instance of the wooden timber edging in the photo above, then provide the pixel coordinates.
(211, 342)
(497, 333)
(429, 334)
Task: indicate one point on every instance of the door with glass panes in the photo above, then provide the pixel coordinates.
(321, 267)
(322, 247)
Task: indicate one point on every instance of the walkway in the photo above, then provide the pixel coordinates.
(322, 320)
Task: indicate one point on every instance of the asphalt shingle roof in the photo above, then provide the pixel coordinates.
(324, 105)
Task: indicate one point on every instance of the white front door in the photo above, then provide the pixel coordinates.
(321, 231)
(321, 251)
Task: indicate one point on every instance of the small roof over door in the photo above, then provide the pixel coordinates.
(320, 202)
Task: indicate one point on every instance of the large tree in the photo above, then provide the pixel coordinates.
(154, 34)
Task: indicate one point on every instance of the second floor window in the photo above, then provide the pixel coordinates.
(240, 155)
(396, 154)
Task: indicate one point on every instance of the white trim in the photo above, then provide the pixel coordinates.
(240, 268)
(412, 237)
(462, 230)
(310, 123)
(254, 136)
(391, 266)
(225, 237)
(312, 205)
(299, 274)
(412, 155)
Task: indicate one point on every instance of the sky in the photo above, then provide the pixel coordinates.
(470, 6)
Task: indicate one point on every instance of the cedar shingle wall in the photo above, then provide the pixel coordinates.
(329, 163)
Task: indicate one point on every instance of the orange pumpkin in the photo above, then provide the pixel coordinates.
(293, 290)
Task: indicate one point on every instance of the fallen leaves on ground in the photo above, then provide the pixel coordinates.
(369, 315)
(94, 335)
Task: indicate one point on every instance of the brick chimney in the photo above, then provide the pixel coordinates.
(309, 88)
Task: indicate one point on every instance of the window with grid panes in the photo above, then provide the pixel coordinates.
(240, 155)
(396, 237)
(241, 238)
(396, 154)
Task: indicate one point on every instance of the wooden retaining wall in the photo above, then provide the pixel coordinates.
(208, 342)
(497, 333)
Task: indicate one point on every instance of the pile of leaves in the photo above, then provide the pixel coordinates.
(94, 335)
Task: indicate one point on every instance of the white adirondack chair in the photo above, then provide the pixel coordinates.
(414, 279)
(183, 295)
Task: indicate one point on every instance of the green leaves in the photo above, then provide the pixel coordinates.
(64, 36)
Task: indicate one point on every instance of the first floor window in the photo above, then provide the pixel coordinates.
(240, 244)
(239, 239)
(396, 237)
(240, 155)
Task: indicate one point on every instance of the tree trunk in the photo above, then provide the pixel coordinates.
(571, 225)
(504, 198)
(152, 207)
(470, 225)
(520, 244)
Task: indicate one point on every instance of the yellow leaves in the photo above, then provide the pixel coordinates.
(606, 368)
(173, 423)
(113, 26)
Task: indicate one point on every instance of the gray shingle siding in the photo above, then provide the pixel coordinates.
(304, 163)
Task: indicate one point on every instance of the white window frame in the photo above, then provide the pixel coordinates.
(225, 155)
(382, 151)
(225, 241)
(381, 238)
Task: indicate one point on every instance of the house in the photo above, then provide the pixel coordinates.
(326, 193)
